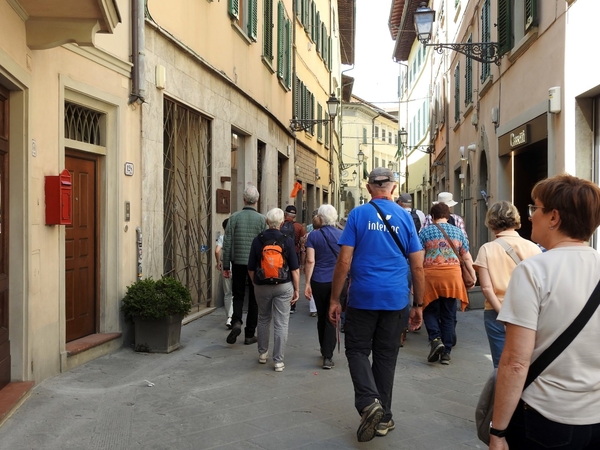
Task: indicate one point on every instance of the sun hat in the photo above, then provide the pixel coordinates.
(446, 198)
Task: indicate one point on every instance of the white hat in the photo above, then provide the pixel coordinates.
(446, 198)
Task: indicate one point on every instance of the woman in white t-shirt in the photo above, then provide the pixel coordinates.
(495, 265)
(561, 408)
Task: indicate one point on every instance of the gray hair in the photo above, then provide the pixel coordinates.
(274, 218)
(502, 216)
(251, 195)
(328, 214)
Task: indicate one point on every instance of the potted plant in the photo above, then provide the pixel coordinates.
(156, 308)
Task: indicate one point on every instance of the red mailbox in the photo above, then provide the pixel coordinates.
(59, 197)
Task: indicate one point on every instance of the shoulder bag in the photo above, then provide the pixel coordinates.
(389, 227)
(468, 279)
(485, 405)
(509, 250)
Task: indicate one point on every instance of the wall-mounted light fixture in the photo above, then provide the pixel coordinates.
(485, 52)
(333, 105)
(360, 157)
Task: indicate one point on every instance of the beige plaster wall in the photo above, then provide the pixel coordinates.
(191, 83)
(40, 81)
(206, 28)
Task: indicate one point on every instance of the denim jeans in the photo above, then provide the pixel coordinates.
(238, 287)
(273, 303)
(439, 318)
(378, 332)
(495, 332)
(325, 329)
(529, 430)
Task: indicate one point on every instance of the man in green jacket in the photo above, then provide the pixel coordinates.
(242, 228)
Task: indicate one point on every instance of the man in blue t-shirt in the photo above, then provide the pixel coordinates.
(377, 294)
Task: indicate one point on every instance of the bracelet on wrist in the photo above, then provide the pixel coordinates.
(417, 305)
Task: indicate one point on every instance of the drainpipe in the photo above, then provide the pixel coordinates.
(138, 43)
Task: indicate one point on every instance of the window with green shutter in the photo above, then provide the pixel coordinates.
(505, 35)
(318, 33)
(531, 18)
(485, 36)
(320, 125)
(287, 77)
(245, 14)
(326, 129)
(296, 97)
(280, 39)
(268, 30)
(457, 93)
(469, 78)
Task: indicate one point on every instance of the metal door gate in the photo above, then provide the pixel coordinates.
(187, 200)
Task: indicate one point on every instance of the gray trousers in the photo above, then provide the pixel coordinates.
(273, 302)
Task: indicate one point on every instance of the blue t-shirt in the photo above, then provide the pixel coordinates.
(379, 271)
(325, 259)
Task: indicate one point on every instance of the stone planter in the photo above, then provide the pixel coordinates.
(476, 298)
(157, 335)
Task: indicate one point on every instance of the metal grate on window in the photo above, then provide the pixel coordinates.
(82, 124)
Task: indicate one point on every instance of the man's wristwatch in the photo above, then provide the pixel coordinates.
(417, 305)
(497, 432)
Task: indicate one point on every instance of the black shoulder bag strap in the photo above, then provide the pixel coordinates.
(563, 341)
(389, 227)
(330, 246)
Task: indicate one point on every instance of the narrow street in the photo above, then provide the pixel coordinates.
(212, 395)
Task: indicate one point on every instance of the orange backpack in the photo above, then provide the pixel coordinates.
(273, 267)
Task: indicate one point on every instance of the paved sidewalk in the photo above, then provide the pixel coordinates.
(212, 395)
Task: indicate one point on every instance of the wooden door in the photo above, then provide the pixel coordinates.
(81, 250)
(4, 342)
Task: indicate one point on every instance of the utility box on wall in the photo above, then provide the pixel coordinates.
(59, 197)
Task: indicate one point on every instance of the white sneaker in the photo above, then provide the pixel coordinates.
(262, 357)
(279, 366)
(228, 323)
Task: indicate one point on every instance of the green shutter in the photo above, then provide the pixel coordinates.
(531, 18)
(485, 37)
(313, 20)
(268, 31)
(457, 93)
(298, 4)
(318, 33)
(469, 78)
(320, 126)
(288, 62)
(327, 129)
(253, 19)
(280, 37)
(329, 63)
(505, 32)
(295, 92)
(312, 112)
(234, 9)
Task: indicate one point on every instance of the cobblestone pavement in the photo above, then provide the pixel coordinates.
(212, 395)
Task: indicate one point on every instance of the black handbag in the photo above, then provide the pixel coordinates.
(485, 405)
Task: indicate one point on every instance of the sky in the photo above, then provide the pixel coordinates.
(375, 73)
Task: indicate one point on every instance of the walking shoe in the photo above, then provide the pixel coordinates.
(250, 340)
(313, 314)
(262, 357)
(445, 359)
(279, 366)
(437, 347)
(370, 418)
(292, 311)
(236, 329)
(228, 323)
(383, 427)
(328, 363)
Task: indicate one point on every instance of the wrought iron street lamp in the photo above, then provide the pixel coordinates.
(333, 105)
(360, 157)
(485, 52)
